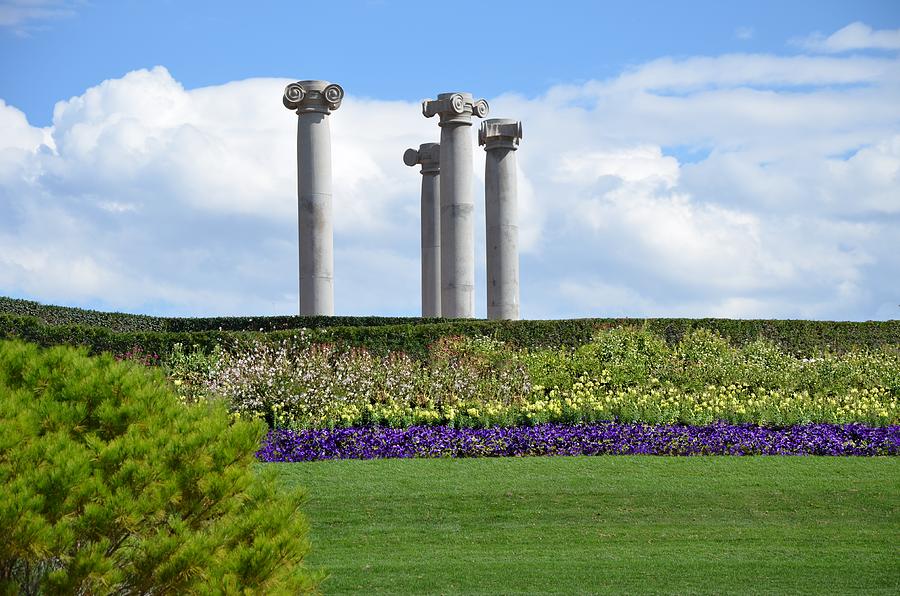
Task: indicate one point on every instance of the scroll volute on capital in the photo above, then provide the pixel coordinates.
(456, 104)
(334, 95)
(293, 96)
(411, 157)
(428, 155)
(481, 108)
(313, 97)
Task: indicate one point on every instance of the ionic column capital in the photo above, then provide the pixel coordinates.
(313, 96)
(500, 133)
(428, 155)
(455, 108)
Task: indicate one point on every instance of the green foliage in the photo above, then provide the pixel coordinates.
(300, 384)
(192, 372)
(631, 375)
(65, 315)
(101, 339)
(701, 358)
(109, 485)
(122, 322)
(655, 370)
(118, 333)
(550, 367)
(623, 373)
(626, 354)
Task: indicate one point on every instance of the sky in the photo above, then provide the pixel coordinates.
(697, 159)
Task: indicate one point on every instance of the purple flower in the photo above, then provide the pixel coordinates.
(609, 438)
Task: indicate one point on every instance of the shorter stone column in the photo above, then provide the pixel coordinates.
(429, 157)
(500, 138)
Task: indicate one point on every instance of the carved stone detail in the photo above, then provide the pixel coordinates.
(455, 108)
(500, 133)
(313, 96)
(428, 155)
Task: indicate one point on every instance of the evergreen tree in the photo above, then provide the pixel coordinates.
(108, 484)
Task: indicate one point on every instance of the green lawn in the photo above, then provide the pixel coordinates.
(605, 524)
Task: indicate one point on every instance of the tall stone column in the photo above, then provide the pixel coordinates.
(429, 156)
(457, 203)
(314, 101)
(500, 138)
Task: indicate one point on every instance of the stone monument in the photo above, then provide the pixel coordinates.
(314, 101)
(428, 156)
(500, 138)
(457, 204)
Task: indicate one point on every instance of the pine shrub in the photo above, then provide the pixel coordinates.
(108, 484)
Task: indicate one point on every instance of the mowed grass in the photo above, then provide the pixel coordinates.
(615, 524)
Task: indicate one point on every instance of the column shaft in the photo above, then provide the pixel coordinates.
(313, 101)
(457, 225)
(457, 205)
(500, 137)
(315, 221)
(431, 245)
(502, 240)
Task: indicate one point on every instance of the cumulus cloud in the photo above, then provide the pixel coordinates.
(17, 133)
(855, 36)
(146, 196)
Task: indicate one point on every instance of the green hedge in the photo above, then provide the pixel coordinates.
(65, 315)
(124, 322)
(118, 332)
(796, 337)
(800, 338)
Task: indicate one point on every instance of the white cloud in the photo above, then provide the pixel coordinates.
(743, 70)
(17, 133)
(20, 16)
(855, 36)
(623, 301)
(643, 163)
(145, 196)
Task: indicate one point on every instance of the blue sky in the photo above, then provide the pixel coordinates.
(393, 50)
(680, 158)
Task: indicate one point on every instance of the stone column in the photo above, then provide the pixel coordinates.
(457, 203)
(314, 101)
(429, 156)
(500, 138)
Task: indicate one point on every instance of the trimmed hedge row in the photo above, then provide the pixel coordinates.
(65, 315)
(124, 322)
(105, 331)
(100, 339)
(801, 338)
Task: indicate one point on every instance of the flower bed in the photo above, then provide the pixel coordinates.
(610, 438)
(624, 375)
